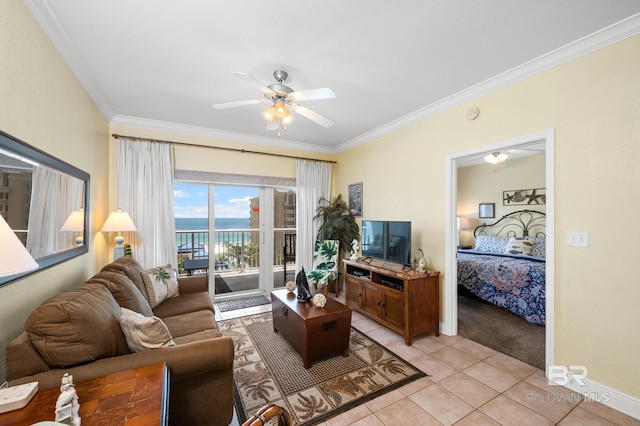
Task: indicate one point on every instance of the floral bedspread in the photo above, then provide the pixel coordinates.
(516, 283)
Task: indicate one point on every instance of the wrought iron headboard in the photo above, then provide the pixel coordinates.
(523, 223)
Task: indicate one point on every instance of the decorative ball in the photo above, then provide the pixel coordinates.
(319, 300)
(291, 286)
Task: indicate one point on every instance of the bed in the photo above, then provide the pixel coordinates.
(507, 265)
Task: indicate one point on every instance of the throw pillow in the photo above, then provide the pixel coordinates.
(161, 283)
(144, 333)
(491, 243)
(77, 326)
(522, 245)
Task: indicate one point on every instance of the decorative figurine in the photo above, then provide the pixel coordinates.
(421, 263)
(291, 286)
(304, 294)
(319, 300)
(67, 406)
(354, 249)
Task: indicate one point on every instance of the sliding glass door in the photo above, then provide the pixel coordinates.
(241, 246)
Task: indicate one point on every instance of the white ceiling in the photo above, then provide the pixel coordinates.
(162, 64)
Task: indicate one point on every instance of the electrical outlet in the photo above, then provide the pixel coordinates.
(578, 238)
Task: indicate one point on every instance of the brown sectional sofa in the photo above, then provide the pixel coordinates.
(78, 332)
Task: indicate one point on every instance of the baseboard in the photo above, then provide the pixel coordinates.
(594, 391)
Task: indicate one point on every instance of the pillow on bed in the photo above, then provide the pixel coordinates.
(491, 243)
(539, 247)
(522, 245)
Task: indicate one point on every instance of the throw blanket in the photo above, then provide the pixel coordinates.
(516, 283)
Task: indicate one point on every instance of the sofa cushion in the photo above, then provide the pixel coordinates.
(144, 333)
(124, 291)
(183, 304)
(161, 283)
(190, 323)
(132, 269)
(78, 326)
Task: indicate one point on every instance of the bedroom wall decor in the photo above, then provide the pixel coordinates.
(524, 196)
(355, 199)
(486, 210)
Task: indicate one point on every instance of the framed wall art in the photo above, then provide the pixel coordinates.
(355, 199)
(486, 210)
(524, 196)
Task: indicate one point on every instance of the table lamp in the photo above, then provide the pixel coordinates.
(463, 223)
(119, 221)
(15, 258)
(75, 223)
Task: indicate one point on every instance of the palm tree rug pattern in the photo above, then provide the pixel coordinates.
(268, 370)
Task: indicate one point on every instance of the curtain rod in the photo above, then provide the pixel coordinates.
(243, 151)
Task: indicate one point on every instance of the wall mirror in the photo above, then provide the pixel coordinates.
(45, 202)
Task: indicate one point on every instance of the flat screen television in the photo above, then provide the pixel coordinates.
(387, 240)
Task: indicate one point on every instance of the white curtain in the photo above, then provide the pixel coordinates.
(145, 191)
(54, 195)
(313, 181)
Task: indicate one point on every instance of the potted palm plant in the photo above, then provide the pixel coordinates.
(337, 223)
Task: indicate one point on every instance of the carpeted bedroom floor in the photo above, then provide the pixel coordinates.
(501, 330)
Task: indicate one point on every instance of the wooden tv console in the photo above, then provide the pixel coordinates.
(404, 301)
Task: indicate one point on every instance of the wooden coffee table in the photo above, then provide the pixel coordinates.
(133, 397)
(313, 332)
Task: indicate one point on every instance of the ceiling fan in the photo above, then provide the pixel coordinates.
(281, 97)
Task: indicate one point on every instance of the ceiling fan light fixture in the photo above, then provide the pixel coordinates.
(281, 110)
(287, 118)
(269, 113)
(496, 158)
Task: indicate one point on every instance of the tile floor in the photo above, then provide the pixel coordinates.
(469, 384)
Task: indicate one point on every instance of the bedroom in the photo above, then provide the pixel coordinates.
(480, 182)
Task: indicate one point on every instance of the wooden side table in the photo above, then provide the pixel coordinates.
(139, 396)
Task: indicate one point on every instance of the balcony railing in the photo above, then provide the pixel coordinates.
(239, 248)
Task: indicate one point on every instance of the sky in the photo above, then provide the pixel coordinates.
(191, 200)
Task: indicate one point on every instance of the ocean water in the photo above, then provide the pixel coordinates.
(201, 239)
(202, 223)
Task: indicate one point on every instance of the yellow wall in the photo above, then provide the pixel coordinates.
(485, 183)
(594, 105)
(43, 104)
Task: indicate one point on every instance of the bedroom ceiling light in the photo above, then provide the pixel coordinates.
(496, 158)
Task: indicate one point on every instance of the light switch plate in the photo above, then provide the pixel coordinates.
(578, 238)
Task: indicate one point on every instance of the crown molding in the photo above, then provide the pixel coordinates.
(165, 126)
(609, 35)
(44, 15)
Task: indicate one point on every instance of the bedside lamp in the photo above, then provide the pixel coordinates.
(463, 224)
(15, 258)
(119, 221)
(75, 223)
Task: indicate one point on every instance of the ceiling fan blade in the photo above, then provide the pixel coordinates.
(238, 103)
(312, 115)
(252, 81)
(273, 124)
(312, 94)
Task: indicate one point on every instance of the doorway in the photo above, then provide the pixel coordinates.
(450, 301)
(234, 234)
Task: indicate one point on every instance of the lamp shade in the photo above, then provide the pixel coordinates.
(119, 221)
(75, 222)
(463, 223)
(15, 258)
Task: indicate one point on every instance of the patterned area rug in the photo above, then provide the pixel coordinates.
(268, 370)
(247, 302)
